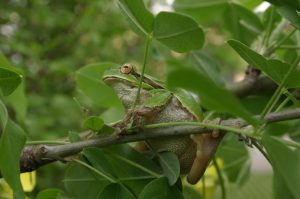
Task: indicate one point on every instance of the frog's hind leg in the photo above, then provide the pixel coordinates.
(206, 147)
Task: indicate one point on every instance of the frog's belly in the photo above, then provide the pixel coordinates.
(183, 146)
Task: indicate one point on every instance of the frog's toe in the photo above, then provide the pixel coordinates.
(206, 147)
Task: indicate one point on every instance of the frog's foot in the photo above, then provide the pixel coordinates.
(143, 116)
(206, 147)
(136, 119)
(122, 126)
(247, 140)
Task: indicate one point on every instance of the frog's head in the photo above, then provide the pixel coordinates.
(122, 76)
(124, 80)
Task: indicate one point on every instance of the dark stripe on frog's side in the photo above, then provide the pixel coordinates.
(146, 80)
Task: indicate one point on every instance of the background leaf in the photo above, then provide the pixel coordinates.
(290, 13)
(275, 69)
(3, 116)
(82, 183)
(170, 165)
(235, 157)
(209, 92)
(140, 19)
(160, 189)
(89, 80)
(178, 32)
(285, 163)
(94, 123)
(9, 80)
(204, 11)
(49, 194)
(242, 23)
(116, 191)
(11, 143)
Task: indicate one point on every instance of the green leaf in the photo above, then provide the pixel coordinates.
(253, 58)
(178, 32)
(209, 92)
(242, 23)
(140, 19)
(106, 130)
(49, 194)
(124, 164)
(17, 98)
(159, 98)
(11, 144)
(275, 69)
(290, 13)
(235, 157)
(204, 11)
(191, 192)
(248, 18)
(133, 163)
(83, 183)
(18, 101)
(116, 191)
(170, 165)
(3, 117)
(74, 137)
(208, 65)
(160, 189)
(99, 161)
(9, 80)
(4, 63)
(89, 81)
(94, 123)
(280, 188)
(189, 102)
(286, 164)
(294, 3)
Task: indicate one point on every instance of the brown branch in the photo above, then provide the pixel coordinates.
(37, 155)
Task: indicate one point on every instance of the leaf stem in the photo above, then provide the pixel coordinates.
(148, 41)
(261, 150)
(276, 45)
(289, 47)
(289, 142)
(266, 37)
(282, 104)
(94, 170)
(221, 180)
(156, 175)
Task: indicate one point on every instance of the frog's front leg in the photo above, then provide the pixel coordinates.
(137, 118)
(206, 147)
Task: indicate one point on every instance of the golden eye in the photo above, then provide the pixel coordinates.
(126, 69)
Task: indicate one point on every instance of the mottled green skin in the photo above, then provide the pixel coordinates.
(194, 154)
(172, 111)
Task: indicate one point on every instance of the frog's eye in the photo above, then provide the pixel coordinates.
(126, 69)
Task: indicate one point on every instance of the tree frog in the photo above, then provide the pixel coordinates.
(156, 104)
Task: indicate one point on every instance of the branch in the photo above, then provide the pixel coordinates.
(37, 155)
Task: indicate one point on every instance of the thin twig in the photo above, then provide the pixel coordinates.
(221, 180)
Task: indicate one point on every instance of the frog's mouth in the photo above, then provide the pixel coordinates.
(111, 81)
